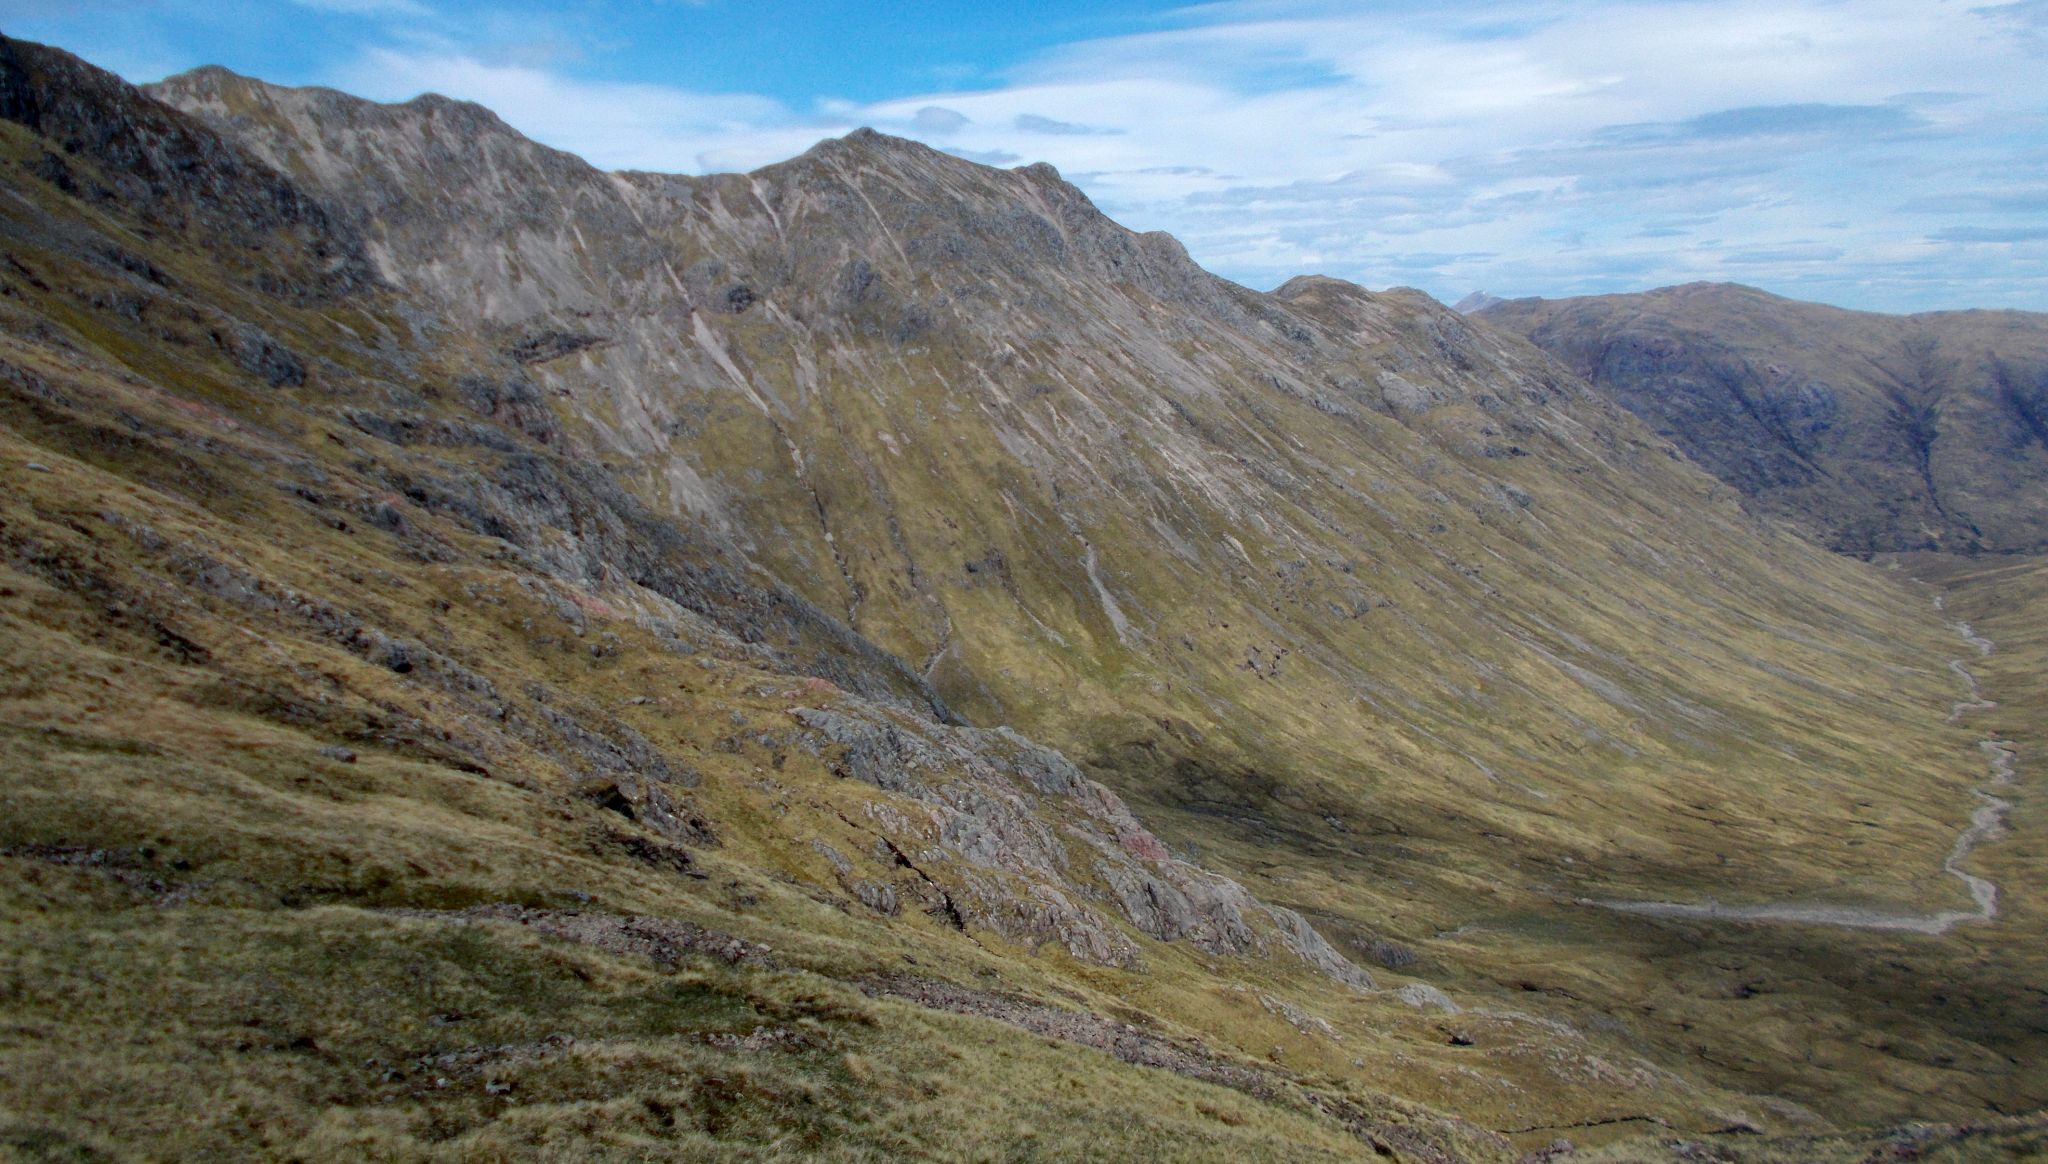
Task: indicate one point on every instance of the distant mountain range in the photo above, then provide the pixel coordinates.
(1874, 432)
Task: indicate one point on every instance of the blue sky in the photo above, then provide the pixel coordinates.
(1882, 154)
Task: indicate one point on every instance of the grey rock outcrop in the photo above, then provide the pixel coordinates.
(989, 798)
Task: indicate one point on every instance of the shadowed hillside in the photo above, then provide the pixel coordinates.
(1874, 432)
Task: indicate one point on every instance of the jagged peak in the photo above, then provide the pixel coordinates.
(1155, 260)
(210, 74)
(220, 82)
(171, 167)
(869, 146)
(1476, 302)
(95, 112)
(35, 76)
(441, 105)
(868, 137)
(871, 149)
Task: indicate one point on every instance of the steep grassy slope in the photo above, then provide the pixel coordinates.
(1875, 432)
(456, 604)
(1380, 611)
(1244, 549)
(380, 781)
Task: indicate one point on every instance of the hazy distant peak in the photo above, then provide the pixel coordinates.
(1477, 301)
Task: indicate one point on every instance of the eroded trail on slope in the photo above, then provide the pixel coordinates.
(1987, 823)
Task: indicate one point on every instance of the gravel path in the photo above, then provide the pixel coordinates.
(1987, 823)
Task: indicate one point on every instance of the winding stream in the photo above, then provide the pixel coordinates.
(1987, 823)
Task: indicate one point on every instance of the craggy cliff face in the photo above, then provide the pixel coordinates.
(1875, 432)
(411, 530)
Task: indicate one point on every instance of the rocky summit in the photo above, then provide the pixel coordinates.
(871, 659)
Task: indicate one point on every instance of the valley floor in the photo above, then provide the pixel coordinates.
(1986, 824)
(1984, 979)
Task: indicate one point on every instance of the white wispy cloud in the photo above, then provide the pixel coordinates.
(409, 9)
(610, 124)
